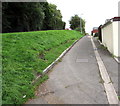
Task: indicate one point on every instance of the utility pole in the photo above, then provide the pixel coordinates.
(81, 23)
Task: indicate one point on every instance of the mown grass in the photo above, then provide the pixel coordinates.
(25, 55)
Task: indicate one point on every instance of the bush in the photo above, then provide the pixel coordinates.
(77, 29)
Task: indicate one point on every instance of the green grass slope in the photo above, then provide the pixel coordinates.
(27, 54)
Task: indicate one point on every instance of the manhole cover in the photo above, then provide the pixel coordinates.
(81, 60)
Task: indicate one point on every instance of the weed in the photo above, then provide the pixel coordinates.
(102, 47)
(101, 81)
(119, 97)
(113, 55)
(67, 86)
(60, 60)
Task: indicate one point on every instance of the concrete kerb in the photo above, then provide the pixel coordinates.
(46, 70)
(109, 88)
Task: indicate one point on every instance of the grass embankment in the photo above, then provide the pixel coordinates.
(27, 54)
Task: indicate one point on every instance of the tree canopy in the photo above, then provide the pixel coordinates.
(30, 16)
(77, 23)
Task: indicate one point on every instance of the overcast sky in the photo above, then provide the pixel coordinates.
(95, 12)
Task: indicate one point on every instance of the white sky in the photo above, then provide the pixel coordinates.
(95, 12)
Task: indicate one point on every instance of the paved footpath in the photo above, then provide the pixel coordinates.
(76, 79)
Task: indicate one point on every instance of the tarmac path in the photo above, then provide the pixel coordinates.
(74, 80)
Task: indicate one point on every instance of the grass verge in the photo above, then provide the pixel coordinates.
(25, 55)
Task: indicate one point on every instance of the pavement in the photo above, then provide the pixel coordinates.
(76, 79)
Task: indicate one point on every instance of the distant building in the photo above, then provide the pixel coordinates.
(95, 28)
(94, 31)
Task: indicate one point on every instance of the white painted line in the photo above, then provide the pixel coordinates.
(109, 88)
(100, 42)
(116, 59)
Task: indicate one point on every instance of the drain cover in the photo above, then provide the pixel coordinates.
(81, 60)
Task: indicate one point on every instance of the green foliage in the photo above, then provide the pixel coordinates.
(74, 22)
(119, 97)
(25, 55)
(30, 16)
(77, 23)
(40, 80)
(22, 16)
(55, 21)
(77, 29)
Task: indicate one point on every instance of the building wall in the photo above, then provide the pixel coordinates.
(119, 29)
(115, 38)
(107, 37)
(110, 37)
(119, 38)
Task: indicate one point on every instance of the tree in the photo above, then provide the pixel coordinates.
(30, 16)
(22, 16)
(64, 24)
(75, 23)
(36, 15)
(55, 21)
(48, 15)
